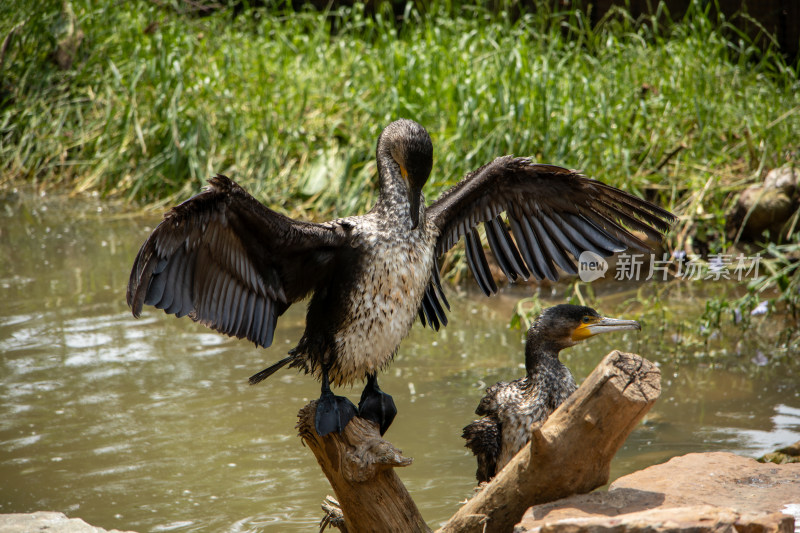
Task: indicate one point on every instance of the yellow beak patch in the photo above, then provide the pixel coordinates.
(582, 332)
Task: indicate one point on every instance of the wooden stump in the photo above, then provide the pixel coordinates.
(570, 453)
(359, 465)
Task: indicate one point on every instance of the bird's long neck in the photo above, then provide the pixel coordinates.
(393, 199)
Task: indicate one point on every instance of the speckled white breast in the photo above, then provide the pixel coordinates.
(517, 421)
(518, 408)
(398, 264)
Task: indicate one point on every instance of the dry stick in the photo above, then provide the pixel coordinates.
(360, 467)
(572, 451)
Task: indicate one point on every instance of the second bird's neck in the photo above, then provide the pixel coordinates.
(539, 352)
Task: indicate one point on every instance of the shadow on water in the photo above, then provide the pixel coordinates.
(150, 425)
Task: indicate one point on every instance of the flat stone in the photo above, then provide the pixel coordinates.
(747, 490)
(694, 519)
(47, 522)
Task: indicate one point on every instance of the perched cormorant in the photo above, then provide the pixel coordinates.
(232, 264)
(510, 407)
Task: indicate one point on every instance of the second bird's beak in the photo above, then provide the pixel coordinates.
(603, 325)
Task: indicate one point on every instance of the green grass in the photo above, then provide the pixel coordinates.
(156, 102)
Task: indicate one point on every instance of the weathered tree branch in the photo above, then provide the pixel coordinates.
(571, 452)
(359, 465)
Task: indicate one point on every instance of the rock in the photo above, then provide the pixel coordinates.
(765, 207)
(784, 179)
(49, 522)
(721, 479)
(749, 497)
(768, 209)
(694, 519)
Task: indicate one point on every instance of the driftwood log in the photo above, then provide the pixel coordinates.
(570, 453)
(359, 465)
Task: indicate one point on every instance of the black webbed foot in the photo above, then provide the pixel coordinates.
(376, 405)
(333, 412)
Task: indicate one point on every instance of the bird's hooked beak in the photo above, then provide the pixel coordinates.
(602, 324)
(414, 197)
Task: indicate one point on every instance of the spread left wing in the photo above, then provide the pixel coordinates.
(552, 213)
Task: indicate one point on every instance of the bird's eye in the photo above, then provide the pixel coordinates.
(586, 319)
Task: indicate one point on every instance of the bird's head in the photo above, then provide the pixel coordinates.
(565, 325)
(405, 152)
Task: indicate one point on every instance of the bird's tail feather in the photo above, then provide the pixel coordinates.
(267, 372)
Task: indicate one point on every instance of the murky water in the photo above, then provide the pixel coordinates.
(150, 424)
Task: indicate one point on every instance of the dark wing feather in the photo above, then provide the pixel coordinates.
(229, 262)
(553, 213)
(484, 439)
(431, 310)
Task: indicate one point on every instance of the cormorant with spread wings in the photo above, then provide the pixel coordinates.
(227, 261)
